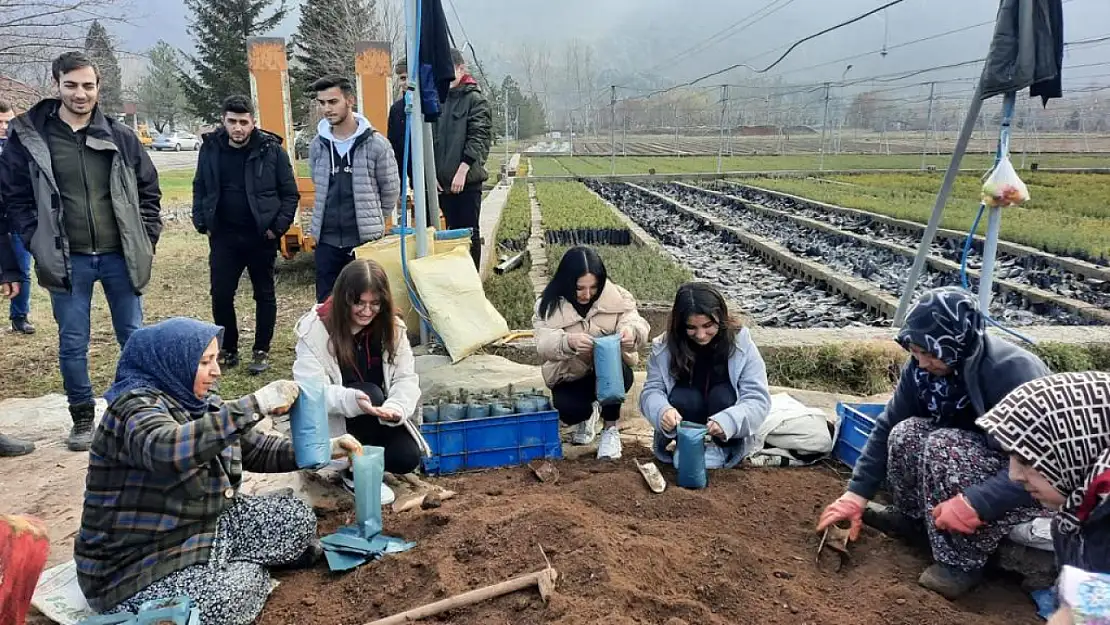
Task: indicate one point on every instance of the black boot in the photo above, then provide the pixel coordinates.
(12, 447)
(313, 554)
(949, 582)
(22, 326)
(895, 524)
(81, 434)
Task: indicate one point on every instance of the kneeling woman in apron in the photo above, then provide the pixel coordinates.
(705, 370)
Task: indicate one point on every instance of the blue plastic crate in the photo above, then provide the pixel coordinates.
(509, 440)
(856, 423)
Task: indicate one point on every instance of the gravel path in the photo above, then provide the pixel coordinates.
(770, 298)
(847, 255)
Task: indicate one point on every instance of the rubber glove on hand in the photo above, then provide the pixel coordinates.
(849, 507)
(345, 446)
(276, 397)
(957, 515)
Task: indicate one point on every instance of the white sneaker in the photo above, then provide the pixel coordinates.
(388, 496)
(610, 446)
(586, 431)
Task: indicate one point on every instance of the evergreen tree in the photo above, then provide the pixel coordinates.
(220, 29)
(161, 98)
(98, 45)
(326, 40)
(526, 114)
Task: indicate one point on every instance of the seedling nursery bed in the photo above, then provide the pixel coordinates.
(740, 551)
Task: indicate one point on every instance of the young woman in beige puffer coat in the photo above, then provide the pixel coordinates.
(578, 305)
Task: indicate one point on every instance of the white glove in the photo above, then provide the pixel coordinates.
(345, 446)
(276, 397)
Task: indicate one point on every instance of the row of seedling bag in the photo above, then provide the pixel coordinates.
(462, 405)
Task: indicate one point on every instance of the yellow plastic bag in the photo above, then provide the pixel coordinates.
(452, 294)
(387, 252)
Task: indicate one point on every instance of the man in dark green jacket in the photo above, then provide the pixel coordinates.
(462, 140)
(82, 192)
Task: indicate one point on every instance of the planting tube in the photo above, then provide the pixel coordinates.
(477, 410)
(524, 404)
(500, 408)
(308, 427)
(689, 455)
(369, 469)
(430, 413)
(542, 402)
(452, 412)
(607, 367)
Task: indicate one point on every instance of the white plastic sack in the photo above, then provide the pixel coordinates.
(452, 294)
(792, 429)
(1003, 186)
(58, 595)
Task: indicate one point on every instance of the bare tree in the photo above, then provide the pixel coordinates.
(33, 33)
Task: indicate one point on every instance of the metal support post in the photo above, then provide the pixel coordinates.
(824, 127)
(416, 146)
(928, 124)
(938, 206)
(724, 112)
(676, 129)
(613, 130)
(994, 216)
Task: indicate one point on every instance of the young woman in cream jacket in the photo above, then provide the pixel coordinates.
(358, 349)
(579, 304)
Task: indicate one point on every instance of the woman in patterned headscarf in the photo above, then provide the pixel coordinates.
(948, 483)
(1057, 432)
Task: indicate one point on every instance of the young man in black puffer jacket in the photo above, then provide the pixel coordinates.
(244, 198)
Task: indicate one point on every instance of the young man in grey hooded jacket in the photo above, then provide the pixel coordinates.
(356, 180)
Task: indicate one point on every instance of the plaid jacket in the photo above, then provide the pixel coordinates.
(158, 479)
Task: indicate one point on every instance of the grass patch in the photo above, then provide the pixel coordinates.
(177, 187)
(646, 273)
(570, 206)
(179, 287)
(1067, 213)
(511, 293)
(861, 368)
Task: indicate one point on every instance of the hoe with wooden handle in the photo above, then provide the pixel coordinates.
(544, 580)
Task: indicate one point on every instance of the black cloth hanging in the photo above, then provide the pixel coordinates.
(436, 69)
(1027, 50)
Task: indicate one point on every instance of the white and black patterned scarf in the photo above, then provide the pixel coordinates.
(1060, 425)
(946, 323)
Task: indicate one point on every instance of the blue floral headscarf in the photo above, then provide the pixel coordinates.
(164, 357)
(947, 324)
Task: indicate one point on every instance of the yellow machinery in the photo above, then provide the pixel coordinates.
(269, 73)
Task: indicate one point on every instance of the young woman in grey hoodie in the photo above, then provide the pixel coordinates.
(706, 370)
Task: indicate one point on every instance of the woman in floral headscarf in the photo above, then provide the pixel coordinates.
(1057, 432)
(948, 482)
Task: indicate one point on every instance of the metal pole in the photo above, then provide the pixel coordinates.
(721, 143)
(824, 123)
(928, 124)
(938, 206)
(505, 110)
(612, 129)
(994, 217)
(676, 128)
(416, 145)
(624, 136)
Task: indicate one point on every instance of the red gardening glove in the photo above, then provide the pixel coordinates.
(957, 515)
(848, 508)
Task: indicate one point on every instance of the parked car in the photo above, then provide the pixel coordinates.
(176, 141)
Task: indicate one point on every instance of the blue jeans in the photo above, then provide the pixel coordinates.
(21, 304)
(72, 312)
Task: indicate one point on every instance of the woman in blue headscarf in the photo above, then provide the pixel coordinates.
(949, 483)
(162, 516)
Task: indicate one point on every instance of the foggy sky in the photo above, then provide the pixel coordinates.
(636, 35)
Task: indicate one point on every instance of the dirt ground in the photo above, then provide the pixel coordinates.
(741, 551)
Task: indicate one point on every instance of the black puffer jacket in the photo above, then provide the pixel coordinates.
(271, 186)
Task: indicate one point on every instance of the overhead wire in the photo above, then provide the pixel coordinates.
(738, 26)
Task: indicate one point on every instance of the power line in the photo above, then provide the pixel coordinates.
(717, 37)
(787, 52)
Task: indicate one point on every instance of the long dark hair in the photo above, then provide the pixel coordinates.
(358, 277)
(699, 298)
(576, 262)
